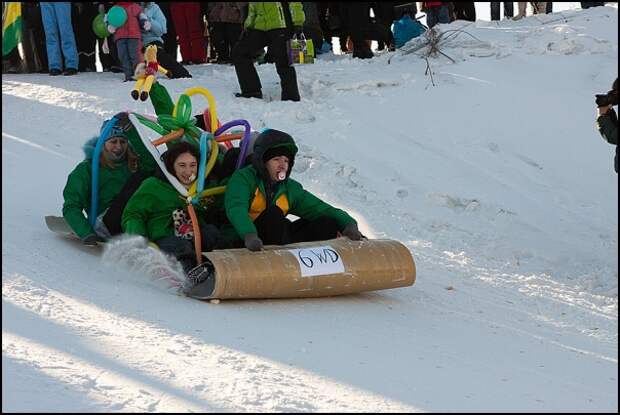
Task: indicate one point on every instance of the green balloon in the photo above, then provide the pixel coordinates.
(99, 27)
(168, 122)
(117, 16)
(184, 109)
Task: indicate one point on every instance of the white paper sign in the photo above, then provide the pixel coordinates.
(319, 260)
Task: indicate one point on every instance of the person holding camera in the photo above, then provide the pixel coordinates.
(607, 120)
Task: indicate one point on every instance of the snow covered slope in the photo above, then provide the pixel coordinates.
(495, 178)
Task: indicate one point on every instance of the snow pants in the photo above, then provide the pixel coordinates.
(249, 47)
(274, 229)
(188, 24)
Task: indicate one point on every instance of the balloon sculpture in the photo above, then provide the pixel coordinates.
(181, 125)
(145, 74)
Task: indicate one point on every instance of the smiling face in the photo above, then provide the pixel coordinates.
(277, 167)
(115, 148)
(185, 169)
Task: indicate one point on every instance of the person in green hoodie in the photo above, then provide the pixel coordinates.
(123, 164)
(159, 213)
(260, 196)
(269, 24)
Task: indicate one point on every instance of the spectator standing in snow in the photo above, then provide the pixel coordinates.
(83, 14)
(157, 27)
(588, 4)
(465, 10)
(225, 27)
(508, 10)
(187, 17)
(538, 7)
(436, 12)
(59, 35)
(128, 38)
(269, 24)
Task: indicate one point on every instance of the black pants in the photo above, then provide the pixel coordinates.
(112, 218)
(250, 46)
(356, 19)
(384, 14)
(82, 18)
(465, 10)
(508, 10)
(33, 39)
(170, 63)
(170, 37)
(274, 229)
(224, 37)
(183, 249)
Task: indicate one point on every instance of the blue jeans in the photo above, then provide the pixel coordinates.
(437, 14)
(127, 50)
(59, 33)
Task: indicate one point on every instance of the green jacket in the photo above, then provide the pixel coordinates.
(149, 210)
(77, 193)
(266, 16)
(241, 192)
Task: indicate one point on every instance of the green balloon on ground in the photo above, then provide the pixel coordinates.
(99, 27)
(117, 16)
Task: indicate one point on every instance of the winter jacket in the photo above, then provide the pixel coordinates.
(248, 194)
(77, 191)
(226, 12)
(131, 28)
(158, 24)
(608, 128)
(149, 210)
(266, 16)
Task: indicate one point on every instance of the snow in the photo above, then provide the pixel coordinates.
(495, 178)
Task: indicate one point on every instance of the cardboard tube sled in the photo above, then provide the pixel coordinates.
(307, 269)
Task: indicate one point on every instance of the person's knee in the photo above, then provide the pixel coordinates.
(209, 237)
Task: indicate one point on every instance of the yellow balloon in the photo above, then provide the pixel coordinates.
(212, 109)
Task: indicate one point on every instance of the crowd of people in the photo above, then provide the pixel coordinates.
(60, 37)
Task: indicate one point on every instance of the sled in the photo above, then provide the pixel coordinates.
(309, 269)
(59, 226)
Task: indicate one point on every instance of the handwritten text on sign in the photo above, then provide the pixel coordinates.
(320, 260)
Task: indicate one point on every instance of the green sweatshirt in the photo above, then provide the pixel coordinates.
(149, 210)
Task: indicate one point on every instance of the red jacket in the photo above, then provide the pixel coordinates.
(131, 28)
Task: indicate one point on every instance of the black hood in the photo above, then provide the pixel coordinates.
(269, 139)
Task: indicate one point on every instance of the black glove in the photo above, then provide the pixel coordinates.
(351, 232)
(92, 239)
(253, 242)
